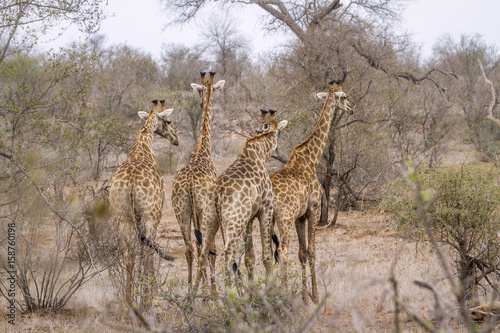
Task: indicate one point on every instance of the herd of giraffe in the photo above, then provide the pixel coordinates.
(230, 202)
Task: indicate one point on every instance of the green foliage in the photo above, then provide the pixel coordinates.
(462, 208)
(252, 306)
(465, 200)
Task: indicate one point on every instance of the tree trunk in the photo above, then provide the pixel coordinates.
(468, 276)
(327, 183)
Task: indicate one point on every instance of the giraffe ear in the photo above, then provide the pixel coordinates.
(282, 124)
(219, 84)
(197, 87)
(163, 115)
(322, 95)
(143, 115)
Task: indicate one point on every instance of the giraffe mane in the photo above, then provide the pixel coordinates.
(300, 145)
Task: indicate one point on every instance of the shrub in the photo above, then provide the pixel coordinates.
(463, 214)
(254, 306)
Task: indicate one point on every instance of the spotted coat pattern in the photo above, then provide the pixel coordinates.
(136, 194)
(244, 192)
(298, 192)
(193, 184)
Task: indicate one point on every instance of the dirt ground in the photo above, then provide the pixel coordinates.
(354, 260)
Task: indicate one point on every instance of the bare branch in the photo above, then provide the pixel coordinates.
(58, 214)
(493, 96)
(281, 13)
(280, 158)
(374, 63)
(457, 289)
(439, 311)
(6, 155)
(308, 324)
(325, 12)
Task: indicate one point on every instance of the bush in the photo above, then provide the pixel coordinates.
(463, 214)
(254, 306)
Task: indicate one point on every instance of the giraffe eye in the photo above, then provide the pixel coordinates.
(168, 121)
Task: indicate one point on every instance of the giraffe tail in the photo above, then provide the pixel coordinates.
(217, 207)
(155, 247)
(199, 238)
(137, 220)
(277, 243)
(197, 232)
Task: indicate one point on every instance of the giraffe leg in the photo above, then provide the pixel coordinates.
(140, 278)
(127, 245)
(129, 271)
(150, 278)
(231, 264)
(185, 226)
(265, 219)
(300, 225)
(284, 226)
(249, 252)
(313, 219)
(147, 262)
(209, 230)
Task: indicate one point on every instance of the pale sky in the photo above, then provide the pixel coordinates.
(140, 24)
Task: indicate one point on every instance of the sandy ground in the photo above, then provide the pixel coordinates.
(354, 261)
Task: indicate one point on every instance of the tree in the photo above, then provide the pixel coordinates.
(226, 47)
(460, 56)
(40, 148)
(332, 38)
(182, 65)
(23, 22)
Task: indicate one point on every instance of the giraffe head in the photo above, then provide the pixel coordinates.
(339, 97)
(159, 117)
(266, 120)
(266, 142)
(207, 87)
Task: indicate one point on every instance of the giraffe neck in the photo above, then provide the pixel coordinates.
(259, 149)
(204, 146)
(311, 150)
(144, 143)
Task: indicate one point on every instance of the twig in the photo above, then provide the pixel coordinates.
(438, 307)
(307, 325)
(62, 218)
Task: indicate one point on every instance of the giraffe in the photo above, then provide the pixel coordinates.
(267, 118)
(297, 190)
(136, 197)
(192, 185)
(243, 192)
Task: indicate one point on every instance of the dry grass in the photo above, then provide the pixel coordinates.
(353, 259)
